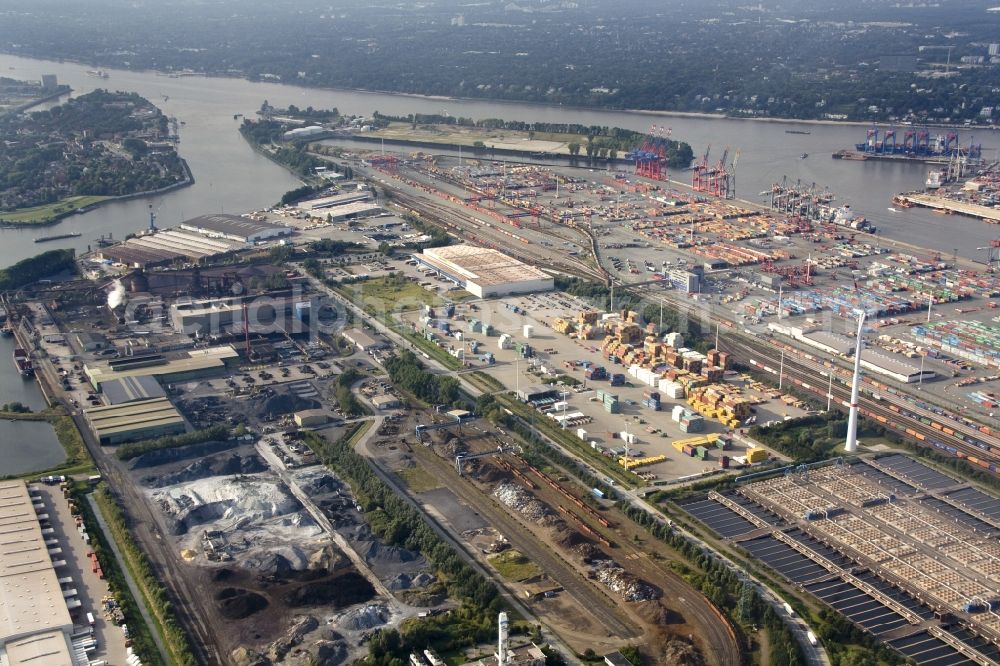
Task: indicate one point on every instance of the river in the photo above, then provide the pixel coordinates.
(231, 177)
(25, 446)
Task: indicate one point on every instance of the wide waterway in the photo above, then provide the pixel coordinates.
(230, 177)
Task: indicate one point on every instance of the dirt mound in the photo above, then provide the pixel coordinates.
(350, 588)
(678, 652)
(491, 474)
(570, 538)
(236, 603)
(163, 456)
(657, 614)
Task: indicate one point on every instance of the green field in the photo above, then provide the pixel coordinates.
(512, 565)
(418, 479)
(48, 212)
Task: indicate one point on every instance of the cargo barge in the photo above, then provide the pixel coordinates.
(23, 363)
(46, 239)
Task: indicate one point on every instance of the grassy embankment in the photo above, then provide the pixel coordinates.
(49, 212)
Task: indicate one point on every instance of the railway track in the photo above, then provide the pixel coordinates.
(595, 602)
(891, 410)
(718, 640)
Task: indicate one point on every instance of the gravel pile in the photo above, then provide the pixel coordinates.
(366, 617)
(521, 501)
(626, 585)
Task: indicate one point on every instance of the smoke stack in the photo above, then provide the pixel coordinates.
(503, 646)
(852, 421)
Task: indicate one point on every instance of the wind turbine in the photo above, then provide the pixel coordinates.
(851, 446)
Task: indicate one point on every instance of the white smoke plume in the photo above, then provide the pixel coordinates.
(117, 295)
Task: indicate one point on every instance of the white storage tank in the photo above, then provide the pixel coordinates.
(528, 330)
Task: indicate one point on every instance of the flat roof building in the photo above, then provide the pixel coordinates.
(311, 205)
(143, 419)
(381, 402)
(893, 366)
(131, 389)
(484, 272)
(35, 624)
(209, 316)
(195, 364)
(362, 340)
(232, 227)
(311, 418)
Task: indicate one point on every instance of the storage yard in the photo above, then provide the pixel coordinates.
(902, 550)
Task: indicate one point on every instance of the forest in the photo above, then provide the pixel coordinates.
(852, 60)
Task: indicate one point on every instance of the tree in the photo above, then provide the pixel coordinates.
(279, 254)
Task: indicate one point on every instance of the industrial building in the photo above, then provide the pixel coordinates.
(382, 402)
(827, 341)
(484, 272)
(195, 364)
(132, 389)
(166, 247)
(89, 341)
(312, 205)
(311, 418)
(35, 624)
(539, 395)
(143, 419)
(231, 227)
(210, 315)
(362, 340)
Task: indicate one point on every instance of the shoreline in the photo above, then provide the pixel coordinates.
(188, 180)
(488, 100)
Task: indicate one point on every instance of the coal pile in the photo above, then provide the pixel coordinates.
(344, 590)
(209, 466)
(236, 603)
(163, 456)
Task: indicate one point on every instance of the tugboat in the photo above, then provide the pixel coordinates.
(23, 363)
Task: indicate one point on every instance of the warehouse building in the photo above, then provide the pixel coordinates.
(894, 366)
(143, 419)
(132, 389)
(362, 340)
(231, 227)
(312, 205)
(195, 364)
(166, 247)
(35, 624)
(383, 402)
(311, 418)
(484, 272)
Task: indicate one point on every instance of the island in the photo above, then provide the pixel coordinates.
(99, 146)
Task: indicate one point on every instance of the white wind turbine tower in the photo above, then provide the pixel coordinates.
(851, 445)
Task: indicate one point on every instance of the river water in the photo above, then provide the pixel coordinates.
(25, 446)
(230, 177)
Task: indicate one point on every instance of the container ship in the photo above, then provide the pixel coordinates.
(23, 363)
(46, 239)
(912, 144)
